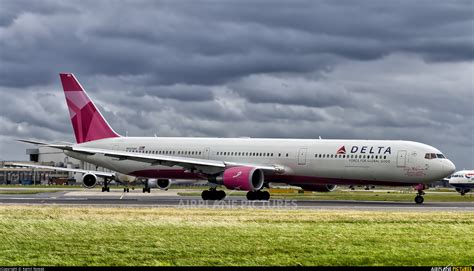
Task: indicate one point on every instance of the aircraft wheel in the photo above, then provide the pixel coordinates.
(251, 195)
(221, 194)
(419, 199)
(265, 195)
(205, 195)
(144, 190)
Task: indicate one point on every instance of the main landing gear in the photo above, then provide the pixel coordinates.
(106, 187)
(419, 196)
(213, 194)
(258, 195)
(146, 189)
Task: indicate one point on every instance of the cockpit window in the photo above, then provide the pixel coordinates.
(434, 156)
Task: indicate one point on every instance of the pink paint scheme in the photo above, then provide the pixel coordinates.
(420, 186)
(242, 178)
(87, 122)
(290, 179)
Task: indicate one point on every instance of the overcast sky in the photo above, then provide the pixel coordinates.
(286, 69)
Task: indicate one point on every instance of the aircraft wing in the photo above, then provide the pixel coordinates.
(156, 159)
(75, 170)
(185, 162)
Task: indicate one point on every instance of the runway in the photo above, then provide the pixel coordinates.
(172, 199)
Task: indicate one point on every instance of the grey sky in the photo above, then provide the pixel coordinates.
(336, 69)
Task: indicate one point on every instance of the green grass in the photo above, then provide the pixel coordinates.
(55, 235)
(360, 195)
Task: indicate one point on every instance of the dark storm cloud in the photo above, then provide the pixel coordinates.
(212, 42)
(337, 69)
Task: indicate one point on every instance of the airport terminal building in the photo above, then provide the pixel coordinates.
(44, 156)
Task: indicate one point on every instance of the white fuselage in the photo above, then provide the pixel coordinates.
(305, 161)
(462, 179)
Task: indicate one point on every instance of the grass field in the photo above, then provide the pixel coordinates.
(360, 195)
(54, 235)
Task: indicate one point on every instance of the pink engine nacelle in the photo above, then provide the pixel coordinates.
(242, 178)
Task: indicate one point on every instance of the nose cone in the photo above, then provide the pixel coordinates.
(448, 167)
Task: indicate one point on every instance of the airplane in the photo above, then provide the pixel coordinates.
(248, 164)
(463, 181)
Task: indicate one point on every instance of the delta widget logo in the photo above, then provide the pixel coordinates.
(342, 150)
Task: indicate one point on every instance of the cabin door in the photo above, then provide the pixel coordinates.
(401, 158)
(207, 151)
(302, 156)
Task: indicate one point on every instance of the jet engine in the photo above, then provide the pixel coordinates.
(241, 178)
(89, 180)
(319, 187)
(163, 184)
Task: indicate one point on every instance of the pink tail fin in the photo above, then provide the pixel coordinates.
(87, 121)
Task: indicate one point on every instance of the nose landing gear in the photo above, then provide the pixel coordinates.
(419, 196)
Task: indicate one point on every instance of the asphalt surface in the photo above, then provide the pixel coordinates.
(171, 199)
